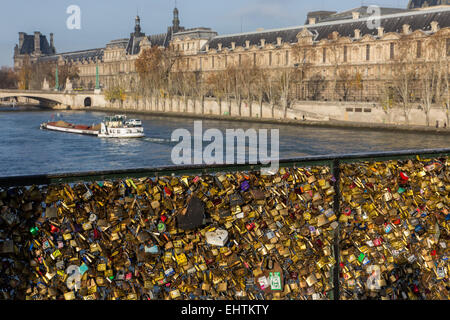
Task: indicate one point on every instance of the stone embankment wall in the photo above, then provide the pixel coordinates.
(359, 112)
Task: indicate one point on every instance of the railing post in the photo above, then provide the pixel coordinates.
(336, 208)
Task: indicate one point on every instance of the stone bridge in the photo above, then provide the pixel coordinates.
(58, 99)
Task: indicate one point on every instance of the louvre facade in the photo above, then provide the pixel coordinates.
(351, 40)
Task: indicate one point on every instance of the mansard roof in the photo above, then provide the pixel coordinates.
(418, 20)
(363, 12)
(28, 45)
(76, 56)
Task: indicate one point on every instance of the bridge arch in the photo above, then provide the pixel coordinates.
(88, 102)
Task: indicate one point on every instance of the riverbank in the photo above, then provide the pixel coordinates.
(289, 122)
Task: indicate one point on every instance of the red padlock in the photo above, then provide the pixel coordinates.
(53, 229)
(250, 226)
(347, 211)
(167, 191)
(164, 218)
(404, 176)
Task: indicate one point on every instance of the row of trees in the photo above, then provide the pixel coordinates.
(413, 82)
(245, 83)
(31, 75)
(405, 83)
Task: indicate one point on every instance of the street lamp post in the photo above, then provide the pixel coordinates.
(56, 79)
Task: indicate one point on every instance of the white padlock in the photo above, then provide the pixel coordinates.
(217, 238)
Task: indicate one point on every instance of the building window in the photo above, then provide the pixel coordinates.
(345, 53)
(212, 62)
(287, 57)
(240, 60)
(270, 58)
(419, 49)
(392, 51)
(368, 52)
(254, 59)
(226, 61)
(324, 55)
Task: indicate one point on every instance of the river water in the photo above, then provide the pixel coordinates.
(25, 149)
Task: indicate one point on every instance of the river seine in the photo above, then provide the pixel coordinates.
(26, 150)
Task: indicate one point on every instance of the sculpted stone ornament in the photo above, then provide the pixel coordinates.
(45, 85)
(69, 86)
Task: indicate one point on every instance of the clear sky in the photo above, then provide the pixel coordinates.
(105, 20)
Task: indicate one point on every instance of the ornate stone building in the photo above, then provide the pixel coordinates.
(349, 40)
(426, 3)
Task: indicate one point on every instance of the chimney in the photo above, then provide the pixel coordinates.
(335, 35)
(312, 20)
(357, 33)
(37, 42)
(406, 29)
(233, 45)
(207, 48)
(279, 40)
(434, 26)
(380, 31)
(21, 39)
(247, 43)
(263, 42)
(219, 46)
(355, 15)
(52, 45)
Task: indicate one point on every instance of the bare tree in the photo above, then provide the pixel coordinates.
(260, 85)
(429, 83)
(303, 55)
(403, 76)
(217, 86)
(316, 85)
(386, 98)
(8, 78)
(440, 53)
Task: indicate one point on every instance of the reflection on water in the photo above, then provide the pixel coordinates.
(25, 149)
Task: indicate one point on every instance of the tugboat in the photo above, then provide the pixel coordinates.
(118, 127)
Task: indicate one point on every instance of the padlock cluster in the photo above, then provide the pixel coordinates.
(394, 230)
(224, 236)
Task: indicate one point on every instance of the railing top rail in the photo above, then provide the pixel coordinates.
(45, 179)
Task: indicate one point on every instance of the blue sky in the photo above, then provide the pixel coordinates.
(105, 20)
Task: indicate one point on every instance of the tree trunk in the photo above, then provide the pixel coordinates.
(405, 112)
(203, 104)
(240, 106)
(273, 110)
(285, 108)
(427, 116)
(260, 108)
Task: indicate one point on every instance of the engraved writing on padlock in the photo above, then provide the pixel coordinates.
(218, 237)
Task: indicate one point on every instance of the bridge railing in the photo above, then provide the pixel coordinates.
(353, 190)
(51, 91)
